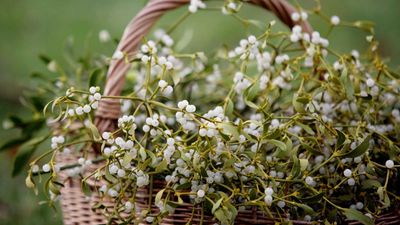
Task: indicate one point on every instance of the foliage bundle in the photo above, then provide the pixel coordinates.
(281, 121)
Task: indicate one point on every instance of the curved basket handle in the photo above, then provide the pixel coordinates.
(109, 109)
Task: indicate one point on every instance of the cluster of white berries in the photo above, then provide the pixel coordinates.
(185, 117)
(209, 128)
(318, 40)
(108, 137)
(56, 141)
(164, 37)
(166, 62)
(148, 48)
(186, 120)
(184, 105)
(170, 149)
(369, 88)
(112, 191)
(115, 170)
(264, 61)
(200, 189)
(298, 35)
(268, 196)
(83, 164)
(281, 82)
(216, 177)
(229, 8)
(163, 60)
(195, 5)
(310, 181)
(264, 80)
(247, 49)
(127, 124)
(125, 145)
(217, 114)
(94, 98)
(241, 83)
(279, 59)
(152, 123)
(358, 205)
(142, 179)
(297, 16)
(254, 129)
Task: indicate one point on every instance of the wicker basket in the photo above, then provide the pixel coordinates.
(78, 208)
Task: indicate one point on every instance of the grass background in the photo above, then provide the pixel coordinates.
(31, 27)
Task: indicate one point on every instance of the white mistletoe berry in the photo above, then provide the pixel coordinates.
(351, 182)
(182, 104)
(168, 90)
(191, 108)
(370, 82)
(121, 173)
(106, 135)
(170, 141)
(335, 20)
(97, 96)
(79, 110)
(281, 204)
(92, 90)
(200, 193)
(252, 39)
(87, 108)
(162, 83)
(202, 132)
(268, 200)
(146, 128)
(295, 16)
(118, 55)
(269, 191)
(389, 164)
(347, 173)
(310, 181)
(46, 168)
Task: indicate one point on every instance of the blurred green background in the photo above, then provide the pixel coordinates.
(31, 27)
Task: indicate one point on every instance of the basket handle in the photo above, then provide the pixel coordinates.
(109, 109)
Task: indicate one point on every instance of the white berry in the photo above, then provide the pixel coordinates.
(162, 83)
(269, 191)
(191, 108)
(200, 193)
(335, 20)
(389, 164)
(347, 173)
(46, 168)
(182, 104)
